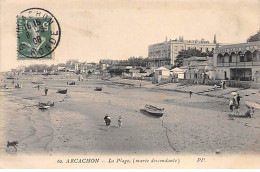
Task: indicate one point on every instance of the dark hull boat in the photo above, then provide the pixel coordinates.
(62, 91)
(156, 114)
(98, 89)
(10, 77)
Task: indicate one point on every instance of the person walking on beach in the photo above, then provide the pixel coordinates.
(190, 93)
(224, 84)
(231, 105)
(38, 87)
(238, 99)
(236, 110)
(119, 122)
(107, 121)
(235, 105)
(46, 91)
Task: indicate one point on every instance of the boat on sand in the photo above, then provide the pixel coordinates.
(154, 107)
(39, 82)
(152, 110)
(98, 89)
(61, 91)
(10, 77)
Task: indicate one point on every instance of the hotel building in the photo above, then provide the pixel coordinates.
(165, 53)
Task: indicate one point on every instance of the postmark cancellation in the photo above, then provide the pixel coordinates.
(38, 34)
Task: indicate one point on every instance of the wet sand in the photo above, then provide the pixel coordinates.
(197, 125)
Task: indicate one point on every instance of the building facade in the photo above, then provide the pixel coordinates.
(165, 53)
(238, 62)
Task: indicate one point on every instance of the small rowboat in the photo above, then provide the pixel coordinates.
(152, 110)
(154, 107)
(62, 91)
(9, 77)
(46, 104)
(44, 107)
(72, 83)
(38, 82)
(98, 89)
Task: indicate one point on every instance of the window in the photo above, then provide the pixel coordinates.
(220, 58)
(256, 56)
(241, 56)
(248, 56)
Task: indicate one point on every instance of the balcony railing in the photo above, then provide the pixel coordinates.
(232, 64)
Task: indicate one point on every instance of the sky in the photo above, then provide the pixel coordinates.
(118, 29)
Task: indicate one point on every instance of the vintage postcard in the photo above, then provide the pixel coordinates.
(139, 84)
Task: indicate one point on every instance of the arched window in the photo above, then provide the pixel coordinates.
(256, 56)
(233, 57)
(248, 56)
(241, 56)
(227, 58)
(220, 58)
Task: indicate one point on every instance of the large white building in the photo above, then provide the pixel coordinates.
(165, 53)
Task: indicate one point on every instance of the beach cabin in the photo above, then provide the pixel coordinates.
(161, 73)
(178, 72)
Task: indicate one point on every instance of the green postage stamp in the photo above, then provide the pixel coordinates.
(38, 34)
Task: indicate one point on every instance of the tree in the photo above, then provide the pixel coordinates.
(184, 54)
(134, 61)
(255, 37)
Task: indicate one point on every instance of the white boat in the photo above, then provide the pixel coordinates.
(39, 82)
(44, 107)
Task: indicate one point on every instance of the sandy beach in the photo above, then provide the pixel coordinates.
(196, 125)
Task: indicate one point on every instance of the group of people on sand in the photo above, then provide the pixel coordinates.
(222, 85)
(107, 119)
(234, 105)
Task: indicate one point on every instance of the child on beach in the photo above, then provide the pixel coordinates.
(235, 105)
(231, 105)
(249, 113)
(107, 121)
(119, 122)
(46, 91)
(236, 110)
(190, 93)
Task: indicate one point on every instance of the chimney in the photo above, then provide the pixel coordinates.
(215, 39)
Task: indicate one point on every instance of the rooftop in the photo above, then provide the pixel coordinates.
(256, 43)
